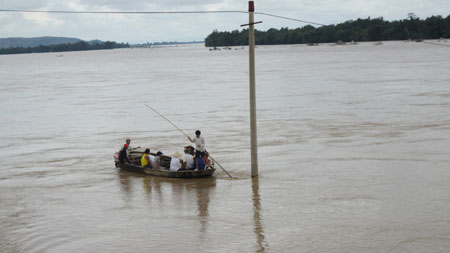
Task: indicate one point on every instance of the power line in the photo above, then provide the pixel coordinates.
(122, 12)
(294, 19)
(155, 12)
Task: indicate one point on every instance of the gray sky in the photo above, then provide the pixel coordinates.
(187, 27)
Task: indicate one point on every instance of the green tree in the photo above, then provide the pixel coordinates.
(358, 30)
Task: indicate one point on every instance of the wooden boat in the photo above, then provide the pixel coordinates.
(167, 173)
(134, 166)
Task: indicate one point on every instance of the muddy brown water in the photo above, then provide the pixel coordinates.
(354, 150)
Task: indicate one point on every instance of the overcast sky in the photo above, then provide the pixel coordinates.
(187, 27)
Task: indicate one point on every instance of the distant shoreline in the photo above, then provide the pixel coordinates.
(360, 30)
(47, 44)
(66, 47)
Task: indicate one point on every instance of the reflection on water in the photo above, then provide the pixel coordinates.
(125, 184)
(176, 189)
(202, 190)
(147, 187)
(258, 226)
(180, 191)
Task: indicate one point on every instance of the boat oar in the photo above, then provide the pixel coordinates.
(162, 116)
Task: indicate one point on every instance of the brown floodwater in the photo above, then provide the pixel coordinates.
(354, 150)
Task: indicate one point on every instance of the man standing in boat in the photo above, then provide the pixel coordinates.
(128, 141)
(200, 151)
(123, 157)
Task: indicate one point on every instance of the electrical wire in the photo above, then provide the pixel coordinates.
(293, 19)
(156, 12)
(122, 12)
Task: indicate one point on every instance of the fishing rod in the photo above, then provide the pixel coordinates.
(189, 138)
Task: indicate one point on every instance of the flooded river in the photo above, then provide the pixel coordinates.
(354, 150)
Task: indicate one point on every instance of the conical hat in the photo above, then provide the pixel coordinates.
(176, 155)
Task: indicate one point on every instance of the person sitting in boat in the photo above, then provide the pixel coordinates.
(123, 157)
(199, 142)
(152, 158)
(175, 163)
(190, 149)
(157, 162)
(188, 158)
(145, 159)
(199, 163)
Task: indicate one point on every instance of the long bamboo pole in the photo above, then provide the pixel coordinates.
(162, 116)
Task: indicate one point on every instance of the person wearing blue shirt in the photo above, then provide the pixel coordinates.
(199, 163)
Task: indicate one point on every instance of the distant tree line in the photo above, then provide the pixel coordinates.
(377, 29)
(77, 46)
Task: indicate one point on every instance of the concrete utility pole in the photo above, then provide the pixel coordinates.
(253, 131)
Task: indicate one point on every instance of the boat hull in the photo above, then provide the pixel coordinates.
(167, 173)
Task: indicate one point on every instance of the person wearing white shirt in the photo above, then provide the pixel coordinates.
(200, 143)
(152, 158)
(175, 163)
(188, 160)
(157, 162)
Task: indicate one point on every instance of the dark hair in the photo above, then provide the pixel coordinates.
(159, 153)
(147, 150)
(197, 132)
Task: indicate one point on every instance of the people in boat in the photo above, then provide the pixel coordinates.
(199, 142)
(188, 158)
(157, 162)
(123, 157)
(175, 163)
(145, 159)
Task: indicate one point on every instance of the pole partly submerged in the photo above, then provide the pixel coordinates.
(253, 130)
(187, 136)
(251, 60)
